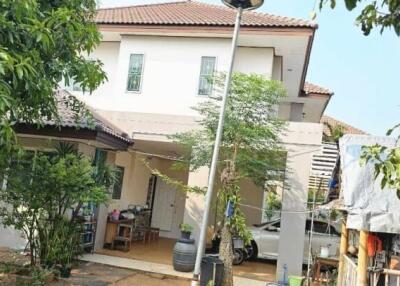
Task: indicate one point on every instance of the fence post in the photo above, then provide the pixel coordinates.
(344, 241)
(362, 274)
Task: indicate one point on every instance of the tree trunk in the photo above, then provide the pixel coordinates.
(226, 255)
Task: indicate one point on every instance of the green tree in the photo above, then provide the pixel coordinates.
(386, 161)
(39, 191)
(43, 42)
(272, 204)
(250, 146)
(381, 14)
(335, 133)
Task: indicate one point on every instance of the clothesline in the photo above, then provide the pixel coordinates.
(279, 211)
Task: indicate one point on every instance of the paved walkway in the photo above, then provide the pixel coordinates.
(156, 268)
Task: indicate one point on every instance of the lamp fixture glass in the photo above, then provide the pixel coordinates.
(244, 4)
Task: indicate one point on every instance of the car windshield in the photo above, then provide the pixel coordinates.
(321, 227)
(268, 223)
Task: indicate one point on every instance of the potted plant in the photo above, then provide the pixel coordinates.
(67, 245)
(65, 264)
(186, 230)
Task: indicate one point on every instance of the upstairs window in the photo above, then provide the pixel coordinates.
(206, 75)
(135, 72)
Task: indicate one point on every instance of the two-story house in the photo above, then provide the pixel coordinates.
(157, 58)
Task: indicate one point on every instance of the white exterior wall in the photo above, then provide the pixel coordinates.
(170, 74)
(108, 53)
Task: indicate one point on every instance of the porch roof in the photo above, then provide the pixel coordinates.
(88, 124)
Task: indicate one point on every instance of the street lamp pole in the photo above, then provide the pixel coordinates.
(240, 5)
(213, 167)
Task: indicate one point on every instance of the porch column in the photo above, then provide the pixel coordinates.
(101, 227)
(294, 202)
(302, 140)
(344, 242)
(362, 273)
(195, 204)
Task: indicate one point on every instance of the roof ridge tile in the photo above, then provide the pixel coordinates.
(193, 13)
(144, 5)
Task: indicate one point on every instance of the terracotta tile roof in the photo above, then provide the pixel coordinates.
(313, 88)
(347, 129)
(97, 122)
(192, 13)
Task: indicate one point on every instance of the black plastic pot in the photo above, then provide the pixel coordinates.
(65, 272)
(185, 235)
(212, 269)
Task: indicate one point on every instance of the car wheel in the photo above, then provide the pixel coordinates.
(238, 256)
(248, 252)
(253, 254)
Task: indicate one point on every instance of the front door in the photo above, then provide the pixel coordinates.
(164, 206)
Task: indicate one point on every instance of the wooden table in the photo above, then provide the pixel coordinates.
(320, 261)
(111, 229)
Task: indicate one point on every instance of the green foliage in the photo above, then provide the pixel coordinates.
(336, 132)
(250, 142)
(386, 163)
(6, 267)
(334, 215)
(38, 276)
(251, 129)
(382, 14)
(41, 43)
(62, 242)
(178, 184)
(185, 227)
(319, 196)
(237, 222)
(40, 189)
(272, 204)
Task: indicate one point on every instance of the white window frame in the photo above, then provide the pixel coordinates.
(200, 75)
(141, 74)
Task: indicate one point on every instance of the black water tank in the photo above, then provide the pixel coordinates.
(212, 269)
(184, 255)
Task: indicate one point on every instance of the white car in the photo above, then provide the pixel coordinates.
(266, 239)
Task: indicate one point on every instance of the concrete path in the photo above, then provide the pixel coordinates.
(156, 268)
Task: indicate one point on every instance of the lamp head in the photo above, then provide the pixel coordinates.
(244, 4)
